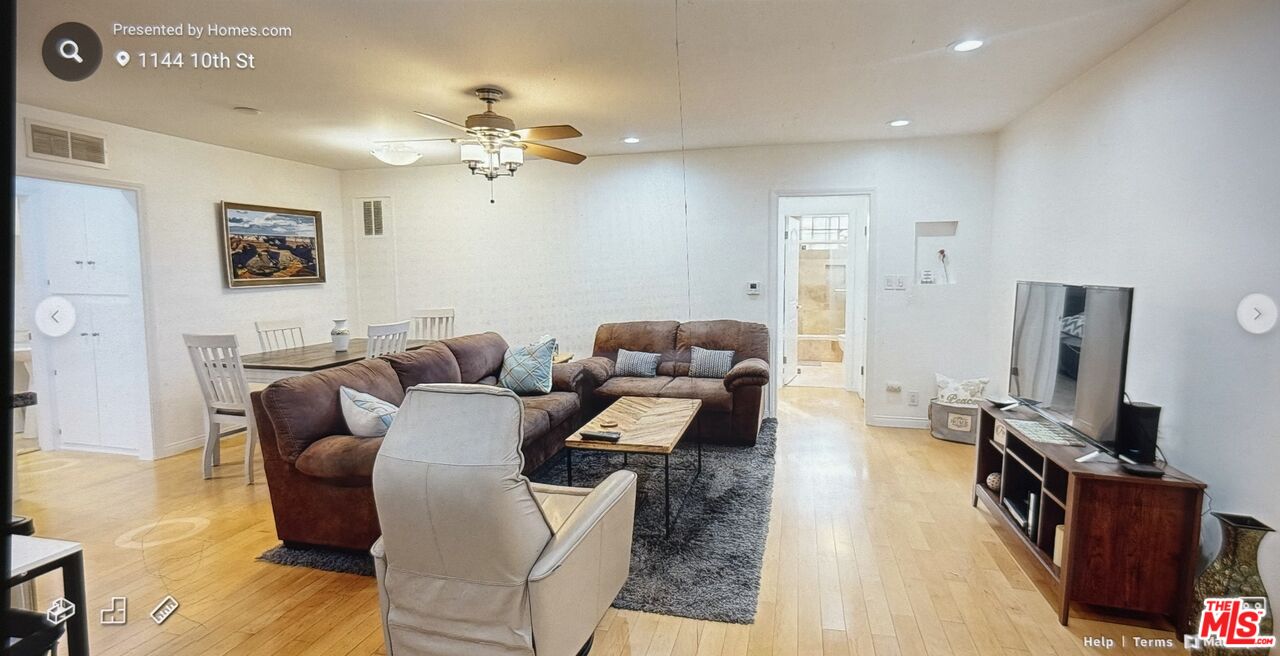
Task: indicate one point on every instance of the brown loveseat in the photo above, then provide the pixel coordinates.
(319, 477)
(731, 406)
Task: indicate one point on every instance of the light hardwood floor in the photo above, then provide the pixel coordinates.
(873, 549)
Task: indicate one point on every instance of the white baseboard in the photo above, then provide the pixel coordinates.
(888, 421)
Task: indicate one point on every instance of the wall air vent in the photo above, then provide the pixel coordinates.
(59, 144)
(374, 213)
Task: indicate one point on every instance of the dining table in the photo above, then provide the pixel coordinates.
(269, 366)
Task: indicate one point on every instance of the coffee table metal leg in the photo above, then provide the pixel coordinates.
(666, 493)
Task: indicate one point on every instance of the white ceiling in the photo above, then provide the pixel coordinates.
(750, 72)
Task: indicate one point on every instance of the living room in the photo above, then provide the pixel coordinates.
(1092, 145)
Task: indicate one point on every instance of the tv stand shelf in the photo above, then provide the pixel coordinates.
(1128, 542)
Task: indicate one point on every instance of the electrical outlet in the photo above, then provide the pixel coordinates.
(913, 398)
(893, 387)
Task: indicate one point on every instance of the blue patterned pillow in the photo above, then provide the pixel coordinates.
(527, 369)
(366, 415)
(637, 363)
(706, 363)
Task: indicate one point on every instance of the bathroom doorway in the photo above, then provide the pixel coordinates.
(823, 299)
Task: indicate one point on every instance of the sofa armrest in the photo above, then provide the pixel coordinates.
(752, 371)
(599, 368)
(566, 377)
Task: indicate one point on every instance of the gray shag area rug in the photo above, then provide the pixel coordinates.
(707, 569)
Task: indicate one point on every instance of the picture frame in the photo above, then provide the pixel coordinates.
(264, 246)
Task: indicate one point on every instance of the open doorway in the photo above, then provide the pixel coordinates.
(823, 304)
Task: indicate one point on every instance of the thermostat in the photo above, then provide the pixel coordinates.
(1257, 313)
(753, 289)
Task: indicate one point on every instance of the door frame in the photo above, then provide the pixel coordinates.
(777, 228)
(147, 448)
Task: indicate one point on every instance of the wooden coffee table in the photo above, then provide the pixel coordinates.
(649, 426)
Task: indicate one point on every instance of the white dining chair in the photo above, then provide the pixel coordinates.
(388, 338)
(276, 335)
(216, 359)
(436, 323)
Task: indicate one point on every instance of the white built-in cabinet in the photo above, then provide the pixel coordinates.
(81, 243)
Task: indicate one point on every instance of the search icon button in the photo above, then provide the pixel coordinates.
(72, 51)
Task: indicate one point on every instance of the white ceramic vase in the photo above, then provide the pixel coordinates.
(341, 335)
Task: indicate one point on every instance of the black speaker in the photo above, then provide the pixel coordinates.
(1136, 434)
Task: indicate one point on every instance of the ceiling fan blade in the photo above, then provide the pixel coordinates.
(551, 152)
(442, 121)
(394, 141)
(548, 132)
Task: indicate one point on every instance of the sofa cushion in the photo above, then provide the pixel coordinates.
(340, 457)
(711, 391)
(747, 340)
(648, 336)
(620, 386)
(478, 356)
(559, 406)
(536, 424)
(433, 363)
(304, 409)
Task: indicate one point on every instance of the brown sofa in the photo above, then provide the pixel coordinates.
(731, 407)
(319, 476)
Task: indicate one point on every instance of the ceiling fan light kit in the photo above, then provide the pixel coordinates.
(493, 146)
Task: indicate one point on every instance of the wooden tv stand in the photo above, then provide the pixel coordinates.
(1130, 543)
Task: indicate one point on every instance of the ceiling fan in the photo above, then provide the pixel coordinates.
(493, 146)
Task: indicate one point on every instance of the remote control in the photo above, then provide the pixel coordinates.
(601, 436)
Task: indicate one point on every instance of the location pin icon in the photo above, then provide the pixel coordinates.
(122, 58)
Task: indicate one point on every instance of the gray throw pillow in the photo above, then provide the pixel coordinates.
(710, 364)
(637, 363)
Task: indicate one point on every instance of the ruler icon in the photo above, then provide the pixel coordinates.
(164, 609)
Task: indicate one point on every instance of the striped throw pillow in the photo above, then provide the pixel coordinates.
(637, 363)
(710, 364)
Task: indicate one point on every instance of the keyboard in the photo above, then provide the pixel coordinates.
(1044, 432)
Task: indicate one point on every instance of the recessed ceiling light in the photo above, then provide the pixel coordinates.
(631, 140)
(899, 123)
(967, 45)
(251, 111)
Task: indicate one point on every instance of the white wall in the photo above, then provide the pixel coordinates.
(1158, 170)
(567, 248)
(182, 183)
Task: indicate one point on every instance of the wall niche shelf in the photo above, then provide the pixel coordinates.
(931, 237)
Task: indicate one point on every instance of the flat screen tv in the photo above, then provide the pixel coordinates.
(1070, 346)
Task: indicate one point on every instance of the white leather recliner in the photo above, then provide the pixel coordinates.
(476, 559)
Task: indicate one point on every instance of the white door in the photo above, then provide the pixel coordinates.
(118, 338)
(111, 237)
(791, 301)
(58, 225)
(75, 382)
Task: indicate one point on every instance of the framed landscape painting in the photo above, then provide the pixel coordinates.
(265, 246)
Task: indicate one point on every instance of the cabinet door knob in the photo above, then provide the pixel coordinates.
(79, 261)
(90, 262)
(96, 334)
(84, 334)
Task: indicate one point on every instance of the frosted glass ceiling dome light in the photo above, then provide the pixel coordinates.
(899, 123)
(395, 154)
(966, 45)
